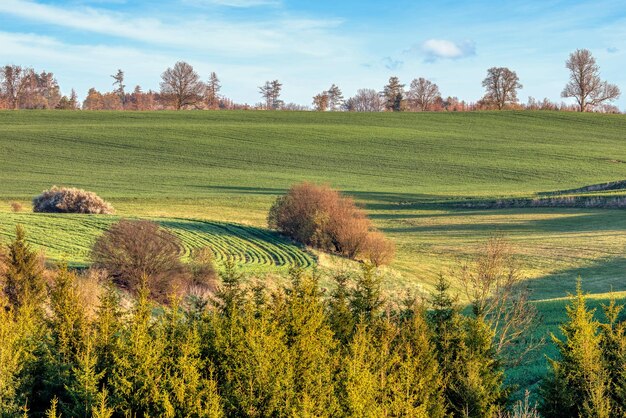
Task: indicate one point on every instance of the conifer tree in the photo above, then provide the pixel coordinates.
(255, 368)
(101, 408)
(415, 381)
(83, 390)
(477, 386)
(613, 345)
(191, 392)
(137, 379)
(360, 383)
(366, 298)
(107, 327)
(23, 281)
(578, 381)
(67, 330)
(312, 349)
(52, 411)
(471, 373)
(12, 355)
(339, 314)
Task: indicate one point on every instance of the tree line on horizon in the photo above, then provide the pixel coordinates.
(181, 87)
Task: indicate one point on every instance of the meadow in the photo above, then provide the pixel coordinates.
(413, 172)
(423, 178)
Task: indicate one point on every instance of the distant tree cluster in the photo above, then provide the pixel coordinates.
(24, 88)
(182, 88)
(246, 351)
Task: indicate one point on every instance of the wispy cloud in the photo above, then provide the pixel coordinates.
(612, 50)
(435, 49)
(242, 4)
(282, 35)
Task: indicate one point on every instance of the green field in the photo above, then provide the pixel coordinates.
(211, 177)
(410, 170)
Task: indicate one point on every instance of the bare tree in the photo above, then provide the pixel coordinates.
(422, 94)
(14, 81)
(365, 100)
(182, 84)
(501, 85)
(496, 290)
(270, 92)
(335, 98)
(212, 94)
(130, 250)
(584, 82)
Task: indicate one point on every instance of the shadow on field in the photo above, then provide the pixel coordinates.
(242, 190)
(603, 276)
(564, 221)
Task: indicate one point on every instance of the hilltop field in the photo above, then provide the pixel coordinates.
(428, 180)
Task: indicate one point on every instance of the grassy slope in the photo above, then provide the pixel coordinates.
(228, 166)
(406, 168)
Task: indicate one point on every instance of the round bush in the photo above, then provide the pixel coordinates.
(70, 200)
(322, 218)
(132, 250)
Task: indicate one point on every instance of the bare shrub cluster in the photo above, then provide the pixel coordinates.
(70, 200)
(322, 218)
(133, 251)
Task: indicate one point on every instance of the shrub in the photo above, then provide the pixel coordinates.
(203, 273)
(70, 200)
(17, 207)
(322, 218)
(377, 249)
(130, 250)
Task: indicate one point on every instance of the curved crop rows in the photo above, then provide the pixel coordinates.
(70, 237)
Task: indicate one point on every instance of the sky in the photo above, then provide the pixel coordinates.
(310, 44)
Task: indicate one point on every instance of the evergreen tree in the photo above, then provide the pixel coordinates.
(312, 349)
(213, 88)
(83, 389)
(191, 391)
(255, 368)
(613, 345)
(360, 384)
(67, 330)
(107, 327)
(23, 281)
(119, 85)
(415, 380)
(366, 298)
(578, 382)
(477, 386)
(52, 411)
(12, 355)
(335, 98)
(137, 378)
(101, 408)
(339, 314)
(471, 373)
(394, 95)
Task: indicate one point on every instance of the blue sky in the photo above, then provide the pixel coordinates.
(310, 44)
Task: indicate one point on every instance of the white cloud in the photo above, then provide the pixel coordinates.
(435, 49)
(281, 36)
